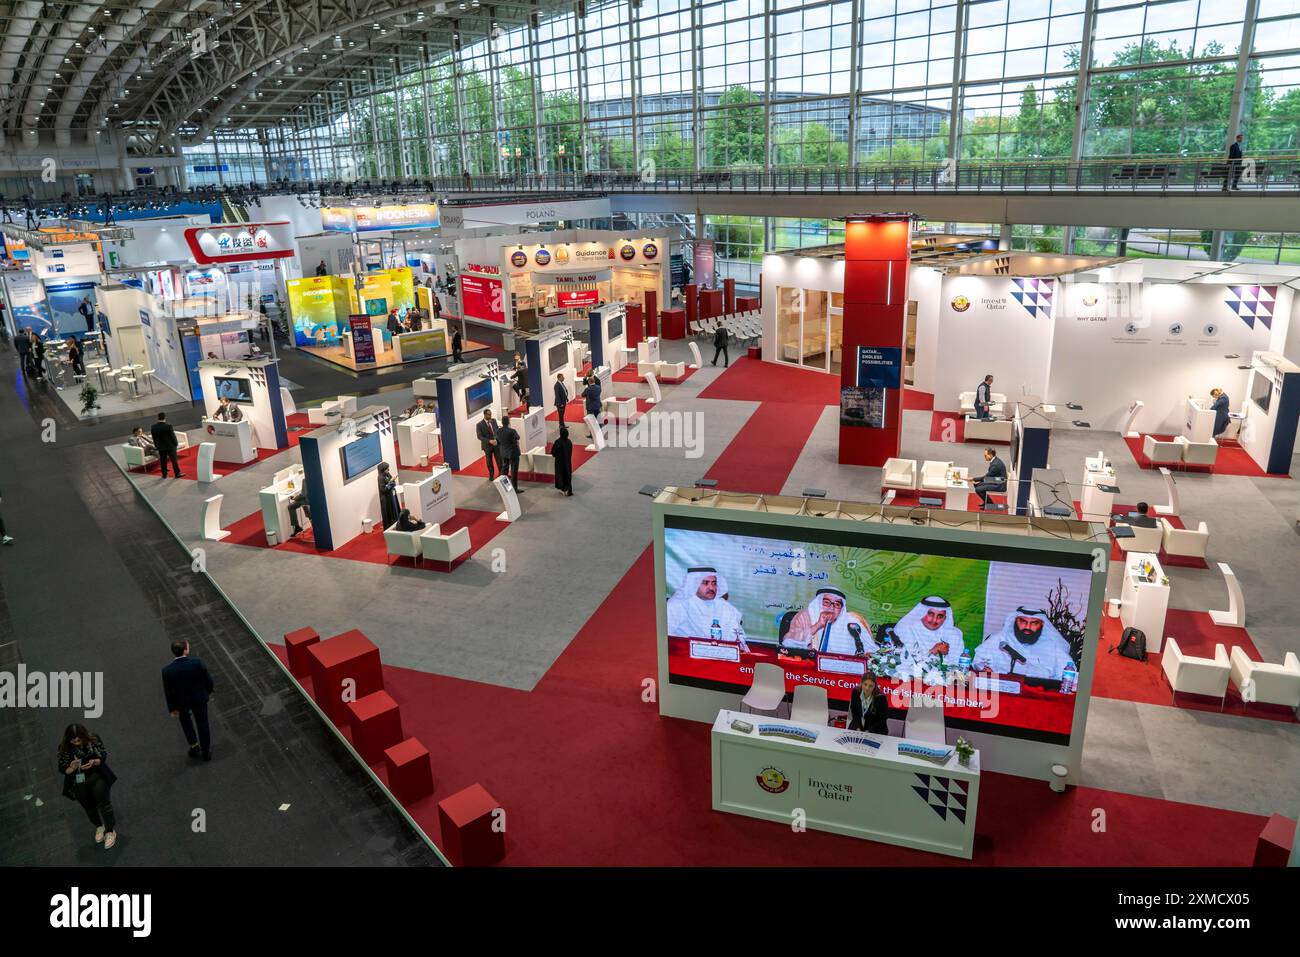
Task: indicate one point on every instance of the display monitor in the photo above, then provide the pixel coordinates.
(557, 356)
(614, 328)
(361, 455)
(1000, 633)
(478, 397)
(1261, 390)
(234, 389)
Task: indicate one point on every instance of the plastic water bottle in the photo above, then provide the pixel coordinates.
(715, 631)
(1069, 678)
(964, 662)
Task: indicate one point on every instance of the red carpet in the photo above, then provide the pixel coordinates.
(1196, 634)
(1172, 561)
(1232, 460)
(765, 450)
(478, 469)
(628, 375)
(753, 380)
(916, 400)
(951, 427)
(190, 468)
(483, 527)
(649, 804)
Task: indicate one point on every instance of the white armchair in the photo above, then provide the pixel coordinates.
(1198, 453)
(934, 476)
(997, 403)
(1188, 542)
(404, 544)
(136, 457)
(1158, 451)
(899, 474)
(444, 548)
(1192, 675)
(1272, 684)
(1144, 539)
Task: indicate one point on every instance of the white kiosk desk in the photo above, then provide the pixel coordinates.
(234, 440)
(1143, 603)
(275, 504)
(417, 437)
(1198, 424)
(1097, 504)
(844, 786)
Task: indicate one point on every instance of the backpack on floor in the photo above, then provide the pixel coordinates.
(1132, 644)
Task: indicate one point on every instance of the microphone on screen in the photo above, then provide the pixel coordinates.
(1015, 656)
(855, 632)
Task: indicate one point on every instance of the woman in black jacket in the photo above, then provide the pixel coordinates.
(868, 707)
(88, 780)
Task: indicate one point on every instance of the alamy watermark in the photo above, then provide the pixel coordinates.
(53, 689)
(658, 430)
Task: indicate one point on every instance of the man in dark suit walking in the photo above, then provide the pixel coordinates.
(457, 344)
(508, 451)
(720, 345)
(489, 441)
(561, 396)
(1236, 154)
(164, 440)
(187, 685)
(993, 480)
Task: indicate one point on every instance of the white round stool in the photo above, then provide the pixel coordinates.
(1059, 772)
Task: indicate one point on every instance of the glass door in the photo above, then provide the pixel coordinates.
(816, 332)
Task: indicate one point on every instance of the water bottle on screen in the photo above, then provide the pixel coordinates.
(964, 662)
(1069, 678)
(715, 631)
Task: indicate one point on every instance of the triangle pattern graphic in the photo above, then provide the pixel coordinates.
(940, 810)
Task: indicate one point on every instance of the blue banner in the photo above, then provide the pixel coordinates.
(880, 366)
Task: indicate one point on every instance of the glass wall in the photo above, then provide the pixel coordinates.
(665, 85)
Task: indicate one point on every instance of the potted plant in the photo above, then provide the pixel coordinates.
(89, 395)
(964, 751)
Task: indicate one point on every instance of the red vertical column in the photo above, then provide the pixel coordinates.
(728, 296)
(651, 312)
(876, 252)
(691, 293)
(632, 316)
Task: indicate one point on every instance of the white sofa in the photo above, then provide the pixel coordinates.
(987, 430)
(934, 476)
(1273, 684)
(1198, 453)
(1188, 542)
(898, 474)
(1192, 675)
(1159, 452)
(444, 548)
(1144, 539)
(405, 544)
(997, 403)
(136, 457)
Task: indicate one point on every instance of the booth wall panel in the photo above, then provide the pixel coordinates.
(651, 314)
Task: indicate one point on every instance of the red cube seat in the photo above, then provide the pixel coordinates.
(334, 661)
(296, 644)
(466, 821)
(410, 774)
(376, 725)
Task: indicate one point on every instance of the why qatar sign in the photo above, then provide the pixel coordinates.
(240, 242)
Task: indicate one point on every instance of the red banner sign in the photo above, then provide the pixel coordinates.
(577, 298)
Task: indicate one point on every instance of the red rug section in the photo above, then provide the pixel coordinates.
(1145, 682)
(188, 459)
(587, 713)
(914, 400)
(762, 454)
(627, 374)
(483, 527)
(753, 380)
(1232, 459)
(578, 436)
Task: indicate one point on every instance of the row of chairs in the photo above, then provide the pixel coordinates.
(744, 326)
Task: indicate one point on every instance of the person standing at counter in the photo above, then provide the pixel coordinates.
(487, 441)
(394, 324)
(591, 397)
(562, 453)
(508, 452)
(164, 440)
(389, 508)
(227, 411)
(1220, 407)
(561, 396)
(868, 707)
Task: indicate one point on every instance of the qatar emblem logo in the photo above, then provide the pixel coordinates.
(542, 257)
(519, 259)
(772, 780)
(960, 303)
(437, 486)
(1090, 299)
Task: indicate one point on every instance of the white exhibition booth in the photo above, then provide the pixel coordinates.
(1100, 336)
(548, 355)
(253, 387)
(608, 336)
(340, 468)
(464, 391)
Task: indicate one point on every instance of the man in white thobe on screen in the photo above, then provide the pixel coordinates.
(827, 625)
(1028, 645)
(699, 602)
(928, 630)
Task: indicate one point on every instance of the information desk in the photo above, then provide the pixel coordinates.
(1144, 599)
(275, 505)
(845, 785)
(424, 344)
(417, 437)
(1097, 503)
(234, 440)
(1198, 422)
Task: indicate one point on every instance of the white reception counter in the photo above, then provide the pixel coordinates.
(845, 784)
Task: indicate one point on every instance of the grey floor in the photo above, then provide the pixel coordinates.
(563, 557)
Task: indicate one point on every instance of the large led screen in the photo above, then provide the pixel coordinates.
(1000, 640)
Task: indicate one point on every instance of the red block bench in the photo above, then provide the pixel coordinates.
(465, 820)
(296, 644)
(376, 725)
(410, 775)
(333, 661)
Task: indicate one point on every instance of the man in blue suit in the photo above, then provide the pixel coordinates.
(187, 685)
(1220, 407)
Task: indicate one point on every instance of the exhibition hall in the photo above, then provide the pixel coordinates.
(623, 435)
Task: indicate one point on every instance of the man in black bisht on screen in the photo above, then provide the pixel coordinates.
(389, 509)
(562, 453)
